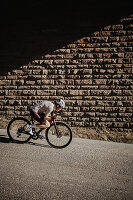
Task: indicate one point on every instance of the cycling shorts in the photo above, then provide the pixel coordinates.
(36, 116)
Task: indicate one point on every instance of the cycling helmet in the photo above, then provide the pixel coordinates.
(60, 102)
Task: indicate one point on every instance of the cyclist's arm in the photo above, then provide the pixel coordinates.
(49, 114)
(47, 117)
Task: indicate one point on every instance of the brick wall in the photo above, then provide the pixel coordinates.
(93, 74)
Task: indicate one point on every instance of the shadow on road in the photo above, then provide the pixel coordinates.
(4, 139)
(40, 145)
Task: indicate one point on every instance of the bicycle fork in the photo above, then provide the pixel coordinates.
(57, 131)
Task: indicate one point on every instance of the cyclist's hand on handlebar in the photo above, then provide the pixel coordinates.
(54, 116)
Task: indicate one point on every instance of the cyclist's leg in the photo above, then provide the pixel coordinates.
(45, 124)
(40, 118)
(35, 116)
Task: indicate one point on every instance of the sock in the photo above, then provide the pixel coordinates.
(33, 125)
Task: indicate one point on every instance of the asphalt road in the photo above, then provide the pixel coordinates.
(85, 170)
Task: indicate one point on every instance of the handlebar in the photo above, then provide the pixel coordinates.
(58, 112)
(55, 114)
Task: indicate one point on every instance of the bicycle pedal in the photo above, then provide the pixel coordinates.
(34, 137)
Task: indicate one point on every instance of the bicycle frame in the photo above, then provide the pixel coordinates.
(53, 121)
(18, 126)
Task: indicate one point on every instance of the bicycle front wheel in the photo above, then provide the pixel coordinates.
(59, 136)
(17, 130)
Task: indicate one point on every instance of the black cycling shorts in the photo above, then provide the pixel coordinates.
(37, 117)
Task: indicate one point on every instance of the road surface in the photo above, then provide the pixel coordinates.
(85, 170)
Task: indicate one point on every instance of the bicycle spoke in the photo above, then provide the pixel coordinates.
(17, 130)
(60, 136)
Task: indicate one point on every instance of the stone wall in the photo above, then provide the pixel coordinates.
(92, 74)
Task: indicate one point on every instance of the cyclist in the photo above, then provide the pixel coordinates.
(42, 112)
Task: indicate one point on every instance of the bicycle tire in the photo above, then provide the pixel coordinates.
(15, 137)
(59, 146)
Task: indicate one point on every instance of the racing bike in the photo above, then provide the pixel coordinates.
(58, 135)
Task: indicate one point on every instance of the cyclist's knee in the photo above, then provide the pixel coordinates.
(47, 124)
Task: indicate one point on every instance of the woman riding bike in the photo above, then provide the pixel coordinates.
(57, 133)
(42, 113)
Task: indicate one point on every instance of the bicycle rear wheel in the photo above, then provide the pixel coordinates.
(59, 136)
(17, 130)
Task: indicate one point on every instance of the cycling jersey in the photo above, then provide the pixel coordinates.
(43, 107)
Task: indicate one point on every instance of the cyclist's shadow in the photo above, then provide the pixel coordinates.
(40, 145)
(4, 139)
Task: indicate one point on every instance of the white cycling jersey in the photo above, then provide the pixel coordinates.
(43, 107)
